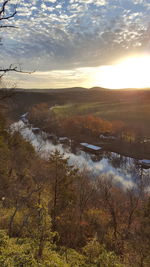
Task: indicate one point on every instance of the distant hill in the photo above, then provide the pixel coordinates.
(24, 99)
(99, 88)
(77, 89)
(52, 90)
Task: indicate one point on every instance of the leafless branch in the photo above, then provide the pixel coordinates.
(6, 17)
(8, 26)
(12, 68)
(3, 10)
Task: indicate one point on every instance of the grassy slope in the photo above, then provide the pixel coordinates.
(131, 106)
(131, 113)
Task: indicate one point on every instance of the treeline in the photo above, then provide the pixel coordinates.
(43, 116)
(90, 125)
(52, 214)
(83, 126)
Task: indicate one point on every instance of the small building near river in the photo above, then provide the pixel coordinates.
(145, 163)
(64, 140)
(107, 137)
(24, 118)
(91, 148)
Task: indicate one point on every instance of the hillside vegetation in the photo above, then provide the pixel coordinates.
(130, 113)
(129, 106)
(53, 214)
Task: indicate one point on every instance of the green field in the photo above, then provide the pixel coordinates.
(129, 106)
(134, 114)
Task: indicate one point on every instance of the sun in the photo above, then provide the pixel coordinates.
(132, 72)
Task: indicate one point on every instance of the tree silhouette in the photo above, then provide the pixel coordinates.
(5, 17)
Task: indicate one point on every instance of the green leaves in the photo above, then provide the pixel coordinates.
(97, 255)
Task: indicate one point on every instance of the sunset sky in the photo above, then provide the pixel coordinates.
(79, 43)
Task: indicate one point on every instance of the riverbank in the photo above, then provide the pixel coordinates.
(117, 145)
(121, 149)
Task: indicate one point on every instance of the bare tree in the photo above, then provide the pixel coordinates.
(5, 17)
(6, 92)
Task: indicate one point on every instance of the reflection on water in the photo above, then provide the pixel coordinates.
(124, 170)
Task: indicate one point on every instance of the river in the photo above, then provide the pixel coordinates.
(126, 172)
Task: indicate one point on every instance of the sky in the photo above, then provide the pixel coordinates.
(70, 42)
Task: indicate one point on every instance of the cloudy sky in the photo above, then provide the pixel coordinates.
(68, 42)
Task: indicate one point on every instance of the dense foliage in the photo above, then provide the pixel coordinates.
(54, 215)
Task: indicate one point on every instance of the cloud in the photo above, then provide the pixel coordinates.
(74, 33)
(55, 79)
(50, 1)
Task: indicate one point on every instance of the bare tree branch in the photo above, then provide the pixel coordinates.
(7, 26)
(3, 10)
(3, 17)
(12, 68)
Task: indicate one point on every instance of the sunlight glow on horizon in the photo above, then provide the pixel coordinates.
(132, 72)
